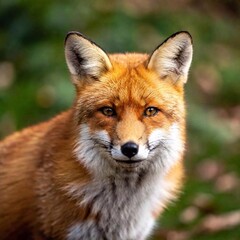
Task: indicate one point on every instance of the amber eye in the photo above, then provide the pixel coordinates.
(151, 111)
(108, 111)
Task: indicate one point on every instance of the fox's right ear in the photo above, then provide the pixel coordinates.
(84, 58)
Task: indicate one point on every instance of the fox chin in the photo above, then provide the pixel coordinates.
(107, 167)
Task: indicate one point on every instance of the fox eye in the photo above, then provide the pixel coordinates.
(108, 111)
(151, 111)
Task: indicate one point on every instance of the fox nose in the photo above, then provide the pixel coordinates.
(129, 149)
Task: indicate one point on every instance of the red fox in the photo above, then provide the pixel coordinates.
(106, 168)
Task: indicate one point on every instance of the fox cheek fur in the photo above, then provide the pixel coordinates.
(107, 167)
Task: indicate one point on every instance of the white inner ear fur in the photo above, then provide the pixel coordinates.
(173, 58)
(84, 57)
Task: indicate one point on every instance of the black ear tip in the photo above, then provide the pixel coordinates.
(186, 33)
(189, 35)
(80, 35)
(72, 33)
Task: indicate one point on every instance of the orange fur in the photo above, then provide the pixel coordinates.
(39, 163)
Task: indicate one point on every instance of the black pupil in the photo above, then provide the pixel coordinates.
(108, 111)
(151, 111)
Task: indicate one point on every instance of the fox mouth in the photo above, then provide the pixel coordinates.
(130, 162)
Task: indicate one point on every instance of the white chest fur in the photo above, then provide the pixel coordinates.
(124, 207)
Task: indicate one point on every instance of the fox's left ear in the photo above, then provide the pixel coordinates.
(85, 60)
(173, 57)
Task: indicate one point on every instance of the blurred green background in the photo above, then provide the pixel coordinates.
(35, 85)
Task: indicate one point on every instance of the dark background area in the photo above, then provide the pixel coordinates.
(35, 85)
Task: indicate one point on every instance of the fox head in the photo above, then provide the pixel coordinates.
(129, 109)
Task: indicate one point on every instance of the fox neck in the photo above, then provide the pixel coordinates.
(127, 200)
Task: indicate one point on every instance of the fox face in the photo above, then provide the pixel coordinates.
(129, 109)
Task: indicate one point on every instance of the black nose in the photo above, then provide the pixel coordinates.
(129, 149)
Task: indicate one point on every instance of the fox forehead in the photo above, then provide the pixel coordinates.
(129, 83)
(131, 60)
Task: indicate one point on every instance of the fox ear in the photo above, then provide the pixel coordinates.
(173, 57)
(84, 58)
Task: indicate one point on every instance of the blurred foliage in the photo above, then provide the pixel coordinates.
(34, 81)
